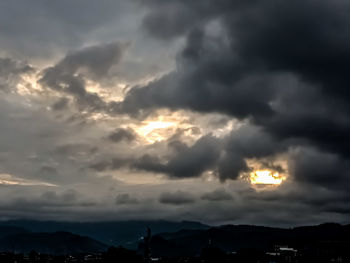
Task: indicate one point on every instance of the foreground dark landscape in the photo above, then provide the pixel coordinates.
(37, 241)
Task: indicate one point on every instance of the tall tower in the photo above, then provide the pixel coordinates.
(147, 249)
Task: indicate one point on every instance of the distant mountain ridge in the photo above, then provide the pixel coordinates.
(125, 233)
(11, 230)
(231, 238)
(50, 243)
(169, 238)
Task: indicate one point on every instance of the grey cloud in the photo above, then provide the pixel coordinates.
(175, 16)
(195, 160)
(315, 197)
(121, 134)
(226, 157)
(320, 168)
(198, 93)
(97, 60)
(280, 67)
(112, 164)
(48, 170)
(67, 196)
(11, 71)
(189, 162)
(176, 198)
(217, 195)
(276, 65)
(262, 44)
(45, 203)
(149, 163)
(43, 29)
(75, 149)
(69, 75)
(179, 17)
(246, 142)
(177, 145)
(100, 166)
(61, 104)
(29, 137)
(125, 199)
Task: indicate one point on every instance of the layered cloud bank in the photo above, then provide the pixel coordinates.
(163, 109)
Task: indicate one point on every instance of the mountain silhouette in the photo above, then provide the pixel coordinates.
(113, 233)
(50, 243)
(232, 238)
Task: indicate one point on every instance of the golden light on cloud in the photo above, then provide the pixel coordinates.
(161, 127)
(28, 85)
(266, 177)
(154, 131)
(154, 125)
(7, 179)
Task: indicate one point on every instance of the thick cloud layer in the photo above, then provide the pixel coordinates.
(68, 75)
(176, 198)
(217, 195)
(100, 119)
(10, 72)
(282, 66)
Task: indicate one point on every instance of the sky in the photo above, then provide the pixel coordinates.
(219, 111)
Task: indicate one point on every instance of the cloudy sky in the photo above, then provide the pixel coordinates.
(221, 111)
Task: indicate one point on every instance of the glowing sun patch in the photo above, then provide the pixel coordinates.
(266, 177)
(154, 131)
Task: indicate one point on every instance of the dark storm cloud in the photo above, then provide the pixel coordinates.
(245, 143)
(263, 39)
(176, 198)
(205, 87)
(326, 169)
(226, 156)
(188, 162)
(287, 204)
(176, 18)
(323, 200)
(121, 134)
(280, 65)
(193, 161)
(217, 195)
(180, 16)
(69, 75)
